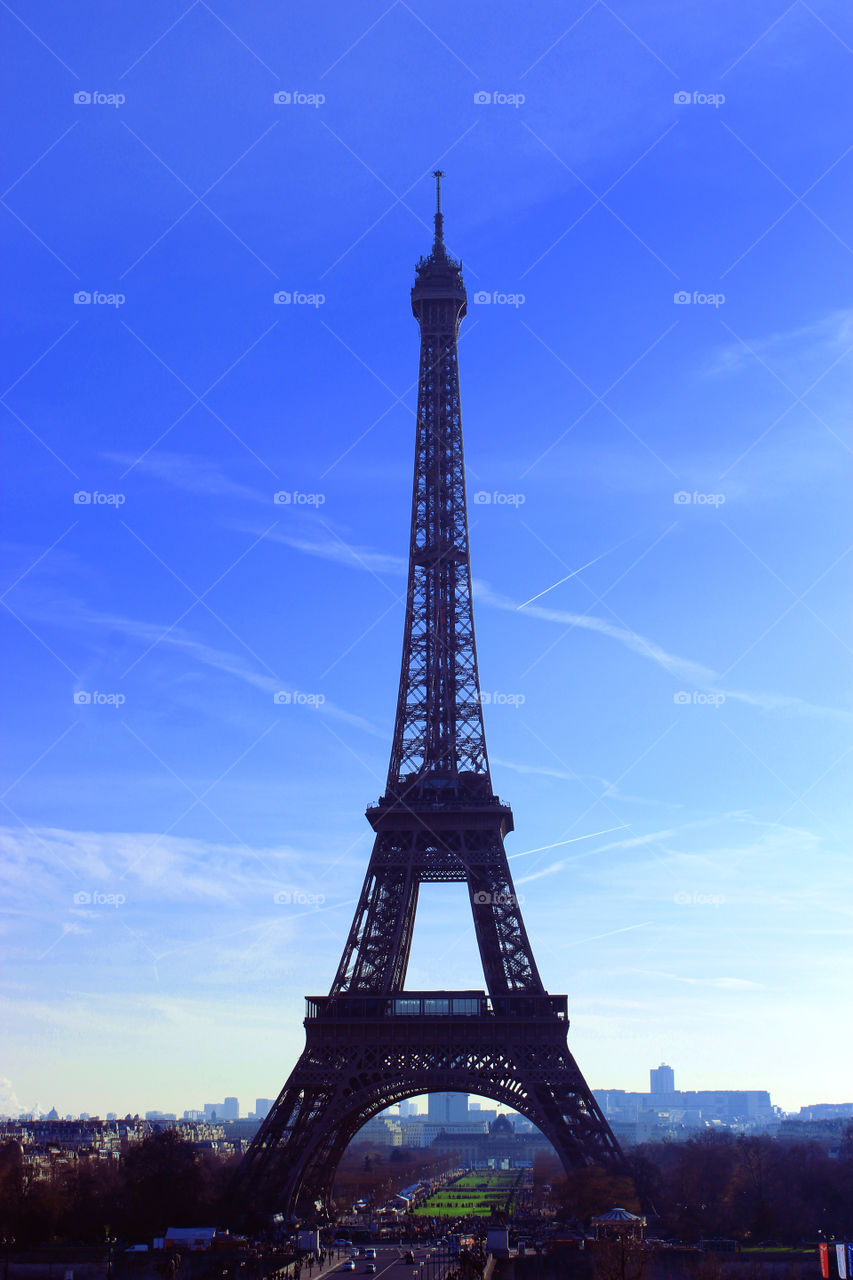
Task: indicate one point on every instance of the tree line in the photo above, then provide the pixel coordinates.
(748, 1188)
(160, 1182)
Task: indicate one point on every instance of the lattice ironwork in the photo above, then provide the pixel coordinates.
(354, 1067)
(370, 1043)
(439, 732)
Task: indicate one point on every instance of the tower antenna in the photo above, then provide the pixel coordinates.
(438, 174)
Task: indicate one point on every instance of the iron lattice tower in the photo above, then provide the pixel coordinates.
(370, 1043)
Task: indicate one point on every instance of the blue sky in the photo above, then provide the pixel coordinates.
(667, 482)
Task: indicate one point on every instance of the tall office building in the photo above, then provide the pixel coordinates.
(228, 1109)
(662, 1079)
(447, 1108)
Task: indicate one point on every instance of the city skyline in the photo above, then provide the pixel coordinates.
(210, 489)
(420, 1103)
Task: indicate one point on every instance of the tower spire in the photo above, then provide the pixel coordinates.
(438, 247)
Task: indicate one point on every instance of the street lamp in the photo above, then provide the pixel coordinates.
(109, 1242)
(6, 1242)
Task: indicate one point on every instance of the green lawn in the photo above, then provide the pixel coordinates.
(474, 1195)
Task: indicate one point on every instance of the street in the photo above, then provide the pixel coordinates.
(390, 1265)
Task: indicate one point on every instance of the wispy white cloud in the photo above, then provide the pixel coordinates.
(54, 860)
(609, 790)
(631, 842)
(687, 672)
(340, 552)
(191, 473)
(205, 911)
(75, 614)
(721, 984)
(807, 348)
(118, 1018)
(539, 771)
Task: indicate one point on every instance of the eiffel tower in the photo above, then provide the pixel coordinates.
(371, 1043)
